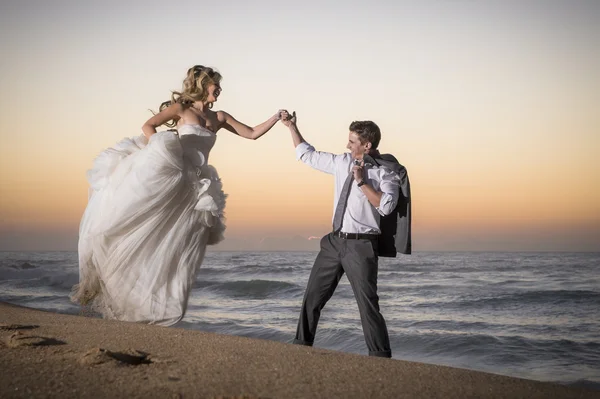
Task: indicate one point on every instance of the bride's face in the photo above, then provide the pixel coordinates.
(214, 90)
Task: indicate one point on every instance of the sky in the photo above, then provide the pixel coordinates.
(492, 106)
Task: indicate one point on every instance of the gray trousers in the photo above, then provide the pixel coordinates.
(359, 260)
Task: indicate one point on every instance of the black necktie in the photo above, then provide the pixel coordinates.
(338, 217)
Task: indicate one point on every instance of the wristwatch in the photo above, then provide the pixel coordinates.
(361, 183)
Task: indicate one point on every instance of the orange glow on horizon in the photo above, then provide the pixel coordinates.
(498, 128)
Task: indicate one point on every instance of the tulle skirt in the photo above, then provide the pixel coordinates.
(151, 213)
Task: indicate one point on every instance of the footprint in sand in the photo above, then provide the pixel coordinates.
(18, 339)
(98, 356)
(14, 327)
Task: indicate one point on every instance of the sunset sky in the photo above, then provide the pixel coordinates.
(492, 106)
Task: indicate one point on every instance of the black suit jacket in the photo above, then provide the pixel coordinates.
(395, 227)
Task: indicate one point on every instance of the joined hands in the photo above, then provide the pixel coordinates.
(286, 118)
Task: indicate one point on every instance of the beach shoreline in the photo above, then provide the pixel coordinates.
(45, 354)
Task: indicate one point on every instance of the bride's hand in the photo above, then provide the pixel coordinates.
(288, 119)
(281, 114)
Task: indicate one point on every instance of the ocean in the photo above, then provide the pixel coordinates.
(527, 315)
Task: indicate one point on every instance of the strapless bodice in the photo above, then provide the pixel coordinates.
(198, 130)
(196, 141)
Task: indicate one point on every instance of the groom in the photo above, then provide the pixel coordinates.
(364, 192)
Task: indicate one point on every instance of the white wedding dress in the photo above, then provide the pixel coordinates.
(153, 207)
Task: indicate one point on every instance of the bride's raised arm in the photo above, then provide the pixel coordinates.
(228, 122)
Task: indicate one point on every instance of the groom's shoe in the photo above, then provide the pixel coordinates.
(300, 342)
(387, 354)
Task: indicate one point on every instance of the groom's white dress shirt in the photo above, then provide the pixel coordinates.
(360, 216)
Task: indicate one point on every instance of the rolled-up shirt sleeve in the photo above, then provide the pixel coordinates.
(389, 185)
(323, 161)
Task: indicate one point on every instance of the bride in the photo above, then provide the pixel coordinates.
(155, 204)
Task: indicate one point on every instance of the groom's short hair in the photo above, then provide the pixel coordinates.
(367, 131)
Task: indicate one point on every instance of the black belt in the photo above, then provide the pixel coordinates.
(355, 236)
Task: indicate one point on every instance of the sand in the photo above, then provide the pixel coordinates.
(47, 355)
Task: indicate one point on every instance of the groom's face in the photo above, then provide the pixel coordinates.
(357, 149)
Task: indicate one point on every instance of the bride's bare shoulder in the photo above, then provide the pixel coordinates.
(222, 115)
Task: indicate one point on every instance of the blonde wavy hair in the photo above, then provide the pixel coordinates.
(194, 88)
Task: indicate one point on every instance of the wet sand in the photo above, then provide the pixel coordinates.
(44, 354)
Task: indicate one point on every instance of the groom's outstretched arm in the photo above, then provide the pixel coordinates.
(290, 121)
(323, 161)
